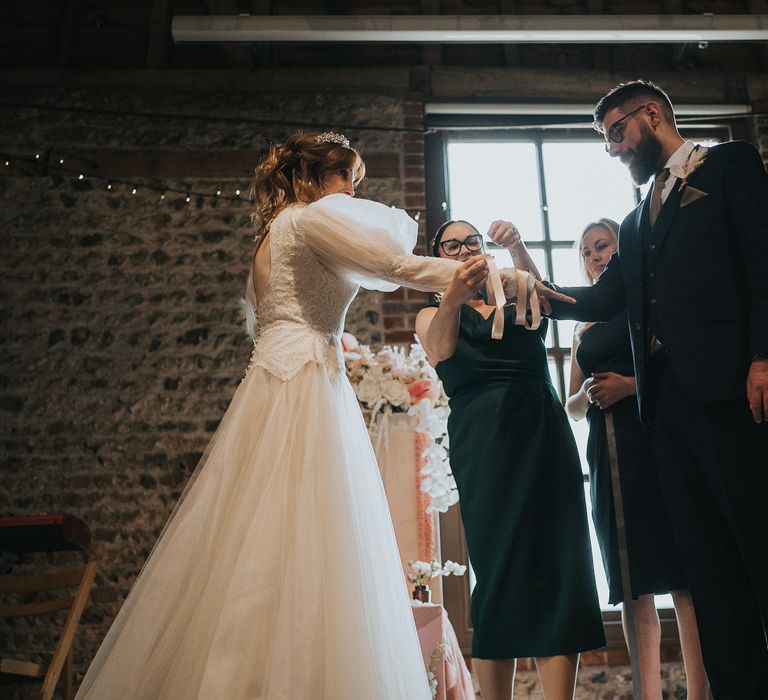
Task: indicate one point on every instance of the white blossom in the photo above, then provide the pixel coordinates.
(368, 390)
(395, 392)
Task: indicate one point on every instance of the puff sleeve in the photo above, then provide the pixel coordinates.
(370, 244)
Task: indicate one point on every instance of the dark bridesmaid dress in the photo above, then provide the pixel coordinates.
(654, 564)
(521, 496)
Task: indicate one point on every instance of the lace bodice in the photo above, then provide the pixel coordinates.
(320, 255)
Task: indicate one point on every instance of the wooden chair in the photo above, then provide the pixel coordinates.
(11, 585)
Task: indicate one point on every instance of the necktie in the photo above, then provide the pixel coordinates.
(658, 188)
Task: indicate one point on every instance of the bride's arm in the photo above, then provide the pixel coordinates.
(369, 243)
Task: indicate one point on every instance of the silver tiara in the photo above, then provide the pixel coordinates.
(333, 137)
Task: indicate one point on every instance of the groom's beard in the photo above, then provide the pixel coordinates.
(644, 159)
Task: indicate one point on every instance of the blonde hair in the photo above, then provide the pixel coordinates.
(292, 172)
(610, 227)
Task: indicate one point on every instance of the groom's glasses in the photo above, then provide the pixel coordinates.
(453, 247)
(616, 133)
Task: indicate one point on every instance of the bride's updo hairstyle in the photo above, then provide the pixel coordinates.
(292, 172)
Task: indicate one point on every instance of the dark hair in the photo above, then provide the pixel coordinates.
(439, 235)
(624, 92)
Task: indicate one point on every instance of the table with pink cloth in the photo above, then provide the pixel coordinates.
(442, 654)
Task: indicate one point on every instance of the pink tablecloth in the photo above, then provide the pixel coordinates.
(442, 655)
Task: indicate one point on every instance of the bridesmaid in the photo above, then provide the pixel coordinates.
(602, 378)
(519, 479)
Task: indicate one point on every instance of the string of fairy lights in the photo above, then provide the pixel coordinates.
(58, 165)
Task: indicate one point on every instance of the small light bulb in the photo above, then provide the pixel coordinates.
(188, 198)
(7, 163)
(133, 191)
(218, 193)
(80, 176)
(162, 195)
(237, 192)
(109, 185)
(61, 161)
(37, 156)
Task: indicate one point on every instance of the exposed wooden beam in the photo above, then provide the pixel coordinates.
(65, 44)
(760, 7)
(511, 51)
(455, 83)
(432, 54)
(223, 80)
(236, 56)
(552, 85)
(159, 33)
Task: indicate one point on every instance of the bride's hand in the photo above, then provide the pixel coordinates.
(467, 281)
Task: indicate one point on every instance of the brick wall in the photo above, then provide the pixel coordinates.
(120, 332)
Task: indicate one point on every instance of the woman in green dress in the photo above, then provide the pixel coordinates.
(519, 479)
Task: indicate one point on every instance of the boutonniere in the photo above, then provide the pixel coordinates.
(692, 163)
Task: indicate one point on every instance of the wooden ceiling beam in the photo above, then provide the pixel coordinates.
(236, 56)
(159, 33)
(216, 80)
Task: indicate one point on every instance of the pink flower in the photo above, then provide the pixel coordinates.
(348, 342)
(424, 389)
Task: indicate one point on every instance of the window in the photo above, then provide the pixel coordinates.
(550, 185)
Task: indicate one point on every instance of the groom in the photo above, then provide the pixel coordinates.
(692, 270)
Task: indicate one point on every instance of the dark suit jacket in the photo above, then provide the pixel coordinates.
(700, 275)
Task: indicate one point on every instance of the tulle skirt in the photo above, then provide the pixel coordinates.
(277, 576)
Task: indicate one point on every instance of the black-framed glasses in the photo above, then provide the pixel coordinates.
(616, 133)
(453, 247)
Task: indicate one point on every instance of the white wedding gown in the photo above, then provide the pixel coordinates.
(278, 577)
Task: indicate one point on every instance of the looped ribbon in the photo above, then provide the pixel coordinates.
(527, 299)
(496, 297)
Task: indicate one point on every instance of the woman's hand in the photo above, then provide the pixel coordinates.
(585, 387)
(608, 388)
(505, 234)
(467, 281)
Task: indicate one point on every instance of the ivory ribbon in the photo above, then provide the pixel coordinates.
(495, 293)
(527, 299)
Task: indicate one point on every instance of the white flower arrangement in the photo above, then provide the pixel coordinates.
(395, 380)
(422, 571)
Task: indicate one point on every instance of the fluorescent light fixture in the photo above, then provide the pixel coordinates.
(516, 29)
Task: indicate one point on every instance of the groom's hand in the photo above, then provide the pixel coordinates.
(757, 389)
(546, 293)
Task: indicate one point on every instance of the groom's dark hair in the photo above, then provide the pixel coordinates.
(624, 92)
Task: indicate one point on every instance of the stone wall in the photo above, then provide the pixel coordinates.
(120, 331)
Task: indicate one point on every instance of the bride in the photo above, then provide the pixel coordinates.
(277, 576)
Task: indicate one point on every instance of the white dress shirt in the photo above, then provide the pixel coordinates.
(677, 158)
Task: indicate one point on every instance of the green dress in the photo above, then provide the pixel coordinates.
(521, 494)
